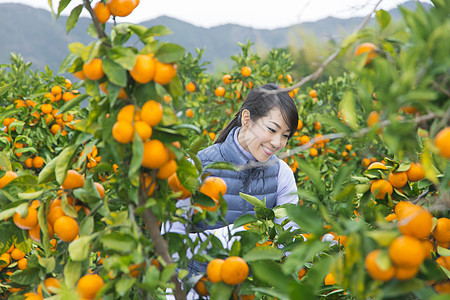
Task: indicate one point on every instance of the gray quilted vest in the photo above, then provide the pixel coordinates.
(258, 181)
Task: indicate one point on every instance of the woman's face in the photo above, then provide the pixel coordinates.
(266, 136)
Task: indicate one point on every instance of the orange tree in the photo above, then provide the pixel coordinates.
(358, 235)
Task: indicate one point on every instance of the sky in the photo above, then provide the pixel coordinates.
(259, 14)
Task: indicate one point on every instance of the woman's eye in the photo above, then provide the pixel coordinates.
(271, 129)
(286, 136)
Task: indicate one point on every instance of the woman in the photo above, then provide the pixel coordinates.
(261, 128)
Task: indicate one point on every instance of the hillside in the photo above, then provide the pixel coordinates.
(39, 38)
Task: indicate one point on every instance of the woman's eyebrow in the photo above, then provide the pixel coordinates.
(276, 124)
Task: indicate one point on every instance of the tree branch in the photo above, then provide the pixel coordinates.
(161, 245)
(98, 26)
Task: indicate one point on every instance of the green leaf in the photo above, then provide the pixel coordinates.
(28, 276)
(115, 73)
(117, 241)
(221, 291)
(383, 18)
(252, 200)
(169, 53)
(79, 248)
(264, 213)
(263, 253)
(136, 160)
(48, 263)
(75, 102)
(72, 272)
(348, 108)
(157, 30)
(64, 163)
(30, 195)
(303, 254)
(221, 166)
(124, 57)
(73, 18)
(307, 195)
(313, 174)
(124, 285)
(62, 5)
(271, 273)
(67, 63)
(168, 272)
(308, 219)
(48, 172)
(244, 219)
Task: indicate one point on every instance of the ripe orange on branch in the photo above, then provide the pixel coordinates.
(234, 270)
(369, 48)
(214, 269)
(144, 68)
(122, 8)
(73, 180)
(406, 251)
(152, 112)
(415, 172)
(27, 222)
(155, 154)
(66, 228)
(374, 270)
(93, 69)
(164, 72)
(442, 142)
(89, 285)
(7, 178)
(102, 12)
(380, 188)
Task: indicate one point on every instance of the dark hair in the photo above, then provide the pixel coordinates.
(258, 102)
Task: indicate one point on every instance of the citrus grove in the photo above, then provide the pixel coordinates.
(91, 169)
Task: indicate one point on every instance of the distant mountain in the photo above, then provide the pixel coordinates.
(41, 39)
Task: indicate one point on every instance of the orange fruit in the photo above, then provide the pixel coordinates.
(401, 206)
(317, 125)
(28, 162)
(20, 103)
(369, 48)
(415, 172)
(152, 112)
(80, 75)
(441, 231)
(213, 186)
(35, 232)
(313, 93)
(442, 142)
(405, 273)
(123, 132)
(246, 71)
(176, 186)
(442, 287)
(304, 139)
(56, 90)
(398, 179)
(299, 124)
(66, 228)
(73, 180)
(167, 169)
(17, 254)
(7, 178)
(415, 221)
(373, 268)
(155, 154)
(313, 152)
(135, 269)
(234, 270)
(214, 270)
(89, 285)
(54, 214)
(428, 247)
(189, 113)
(52, 284)
(27, 222)
(46, 108)
(406, 251)
(226, 78)
(164, 72)
(301, 273)
(22, 263)
(144, 68)
(6, 258)
(121, 8)
(102, 12)
(143, 130)
(219, 91)
(190, 87)
(127, 113)
(100, 189)
(200, 287)
(93, 69)
(373, 118)
(330, 279)
(443, 261)
(38, 162)
(391, 217)
(380, 188)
